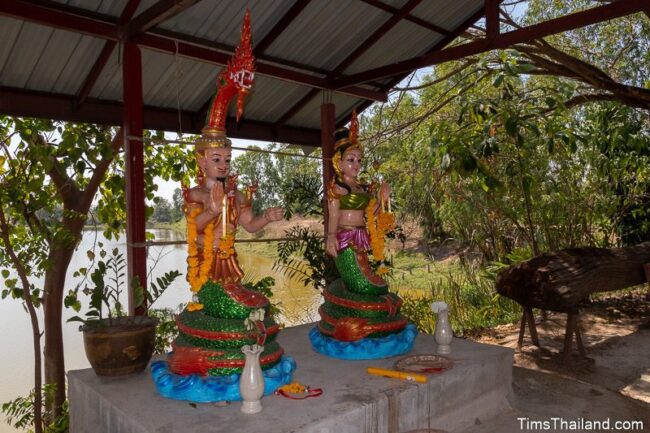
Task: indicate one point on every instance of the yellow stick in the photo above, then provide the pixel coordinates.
(224, 210)
(420, 378)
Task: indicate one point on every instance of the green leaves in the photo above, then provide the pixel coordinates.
(264, 286)
(303, 257)
(511, 125)
(158, 287)
(19, 412)
(71, 301)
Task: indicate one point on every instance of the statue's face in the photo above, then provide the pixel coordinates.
(215, 163)
(350, 163)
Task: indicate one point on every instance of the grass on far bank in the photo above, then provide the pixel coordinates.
(468, 291)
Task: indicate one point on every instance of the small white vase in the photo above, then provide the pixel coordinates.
(251, 382)
(443, 333)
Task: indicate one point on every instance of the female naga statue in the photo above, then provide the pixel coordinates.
(224, 315)
(359, 319)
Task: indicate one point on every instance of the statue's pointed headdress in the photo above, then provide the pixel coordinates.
(235, 80)
(347, 137)
(344, 139)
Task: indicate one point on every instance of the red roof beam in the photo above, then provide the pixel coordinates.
(419, 21)
(50, 16)
(29, 103)
(159, 12)
(558, 25)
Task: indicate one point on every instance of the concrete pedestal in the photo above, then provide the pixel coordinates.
(353, 401)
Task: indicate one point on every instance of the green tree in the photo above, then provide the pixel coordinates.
(610, 60)
(287, 179)
(178, 202)
(258, 168)
(162, 210)
(301, 182)
(48, 165)
(507, 150)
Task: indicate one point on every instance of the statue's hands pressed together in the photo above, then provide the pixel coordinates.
(215, 199)
(273, 214)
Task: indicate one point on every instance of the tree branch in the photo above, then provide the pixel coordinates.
(89, 191)
(462, 67)
(66, 186)
(36, 333)
(557, 62)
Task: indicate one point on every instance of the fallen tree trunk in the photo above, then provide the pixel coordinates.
(560, 280)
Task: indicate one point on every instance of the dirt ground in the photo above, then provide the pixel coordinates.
(612, 383)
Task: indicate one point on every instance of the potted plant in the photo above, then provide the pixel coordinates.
(117, 344)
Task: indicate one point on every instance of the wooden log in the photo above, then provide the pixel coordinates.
(558, 281)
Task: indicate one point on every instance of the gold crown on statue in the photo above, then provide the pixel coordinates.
(212, 138)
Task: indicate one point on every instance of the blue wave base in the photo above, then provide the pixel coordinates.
(209, 389)
(367, 348)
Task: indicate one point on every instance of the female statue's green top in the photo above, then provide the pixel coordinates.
(354, 201)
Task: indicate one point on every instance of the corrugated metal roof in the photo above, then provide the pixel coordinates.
(40, 58)
(27, 49)
(447, 14)
(108, 7)
(309, 116)
(405, 40)
(324, 37)
(271, 98)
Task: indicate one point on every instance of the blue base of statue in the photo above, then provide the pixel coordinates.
(367, 348)
(209, 389)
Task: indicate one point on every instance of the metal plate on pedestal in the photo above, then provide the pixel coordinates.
(424, 364)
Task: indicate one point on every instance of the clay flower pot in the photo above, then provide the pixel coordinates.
(121, 346)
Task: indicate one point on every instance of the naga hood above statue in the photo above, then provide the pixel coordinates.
(235, 80)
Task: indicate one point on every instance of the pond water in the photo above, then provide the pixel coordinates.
(298, 303)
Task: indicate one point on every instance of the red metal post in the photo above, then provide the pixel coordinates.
(135, 207)
(327, 125)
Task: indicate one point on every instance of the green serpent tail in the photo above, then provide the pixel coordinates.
(356, 273)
